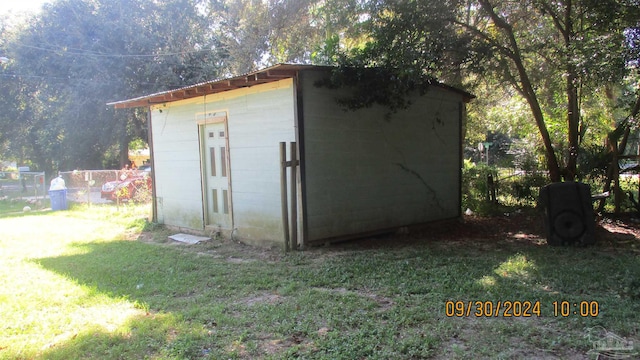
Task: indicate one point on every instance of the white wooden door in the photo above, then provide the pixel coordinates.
(216, 171)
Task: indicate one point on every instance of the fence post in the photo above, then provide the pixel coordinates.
(491, 189)
(87, 178)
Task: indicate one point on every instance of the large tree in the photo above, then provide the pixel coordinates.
(258, 33)
(550, 52)
(76, 55)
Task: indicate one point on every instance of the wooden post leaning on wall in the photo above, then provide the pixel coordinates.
(290, 234)
(283, 195)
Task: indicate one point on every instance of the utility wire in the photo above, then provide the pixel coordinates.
(74, 79)
(82, 52)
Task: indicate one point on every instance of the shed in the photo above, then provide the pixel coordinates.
(215, 151)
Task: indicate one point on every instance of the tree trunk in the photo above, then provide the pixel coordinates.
(618, 149)
(527, 90)
(573, 124)
(573, 111)
(552, 160)
(124, 152)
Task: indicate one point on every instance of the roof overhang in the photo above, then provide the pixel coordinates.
(270, 74)
(267, 75)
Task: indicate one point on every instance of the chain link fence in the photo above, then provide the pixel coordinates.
(83, 186)
(29, 190)
(88, 186)
(27, 187)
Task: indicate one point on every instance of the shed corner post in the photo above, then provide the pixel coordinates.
(299, 126)
(154, 202)
(294, 197)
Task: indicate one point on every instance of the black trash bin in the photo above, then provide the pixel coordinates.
(568, 213)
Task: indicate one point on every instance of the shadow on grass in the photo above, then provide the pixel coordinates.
(134, 270)
(139, 336)
(507, 258)
(181, 293)
(384, 288)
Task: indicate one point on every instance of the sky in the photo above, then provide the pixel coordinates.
(20, 5)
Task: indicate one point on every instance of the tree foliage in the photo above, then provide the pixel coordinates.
(75, 56)
(554, 54)
(255, 33)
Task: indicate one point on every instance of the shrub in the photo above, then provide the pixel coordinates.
(513, 190)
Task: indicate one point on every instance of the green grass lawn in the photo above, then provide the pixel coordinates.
(83, 284)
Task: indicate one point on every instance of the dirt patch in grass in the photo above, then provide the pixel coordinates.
(267, 298)
(271, 346)
(384, 303)
(232, 251)
(614, 233)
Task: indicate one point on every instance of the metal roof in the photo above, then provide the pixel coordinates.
(267, 75)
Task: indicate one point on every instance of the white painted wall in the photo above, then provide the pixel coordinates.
(177, 165)
(365, 173)
(259, 118)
